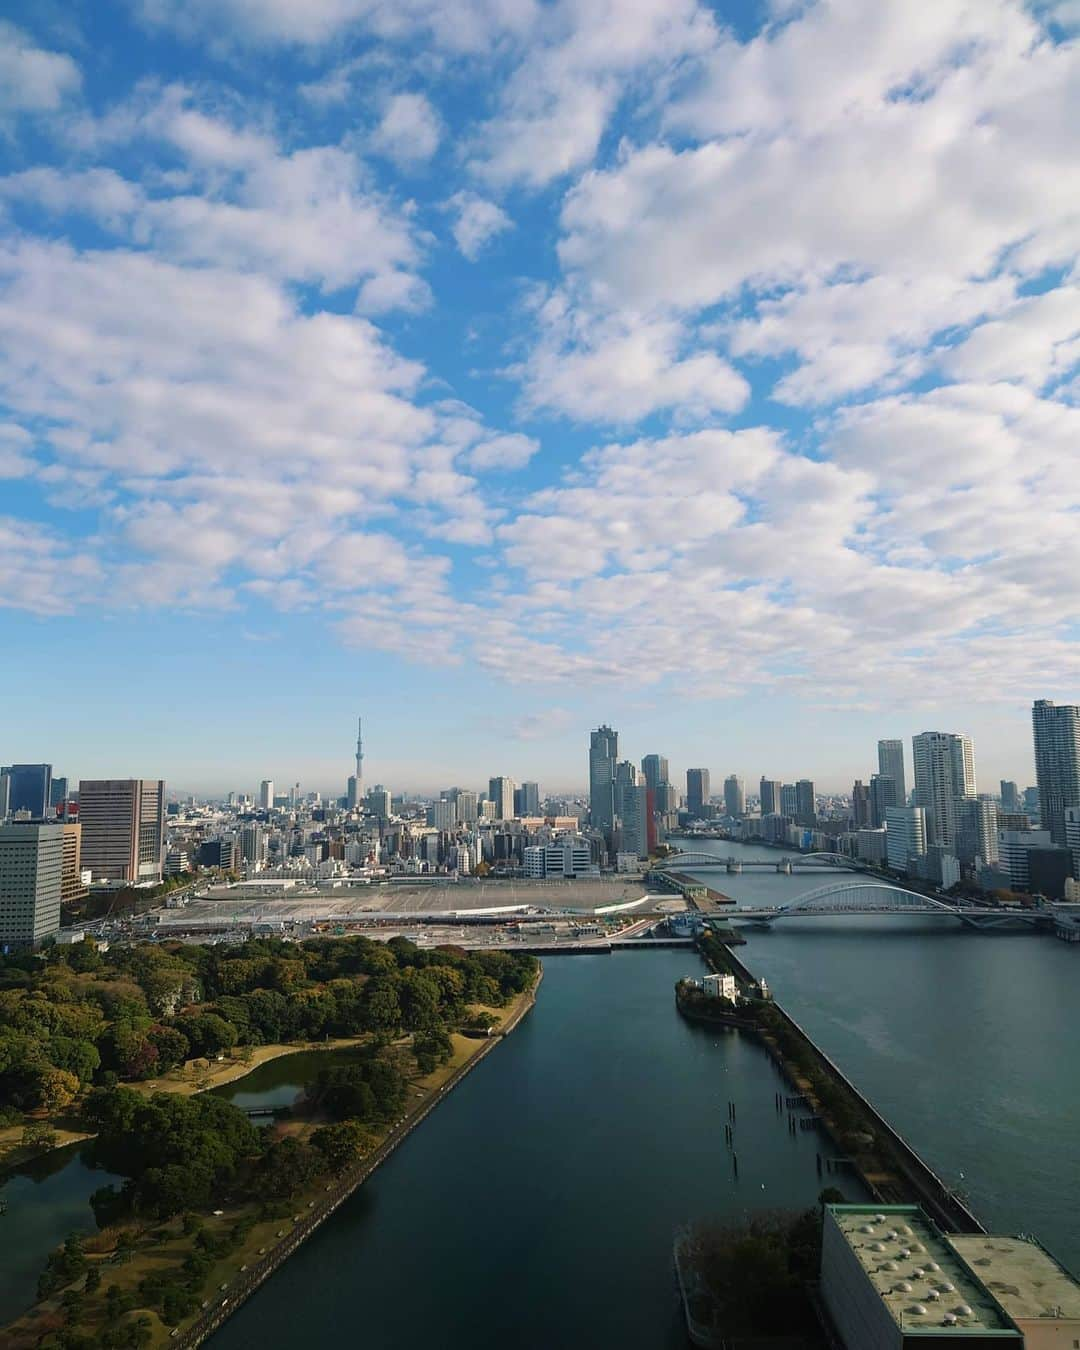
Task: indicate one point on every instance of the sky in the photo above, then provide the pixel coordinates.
(495, 368)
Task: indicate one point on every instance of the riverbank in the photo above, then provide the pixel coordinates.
(886, 1164)
(443, 1083)
(268, 1238)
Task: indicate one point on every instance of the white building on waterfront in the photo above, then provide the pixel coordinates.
(905, 835)
(720, 986)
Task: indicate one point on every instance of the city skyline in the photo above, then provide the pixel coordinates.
(563, 781)
(462, 367)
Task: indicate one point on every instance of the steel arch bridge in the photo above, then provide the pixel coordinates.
(691, 858)
(876, 897)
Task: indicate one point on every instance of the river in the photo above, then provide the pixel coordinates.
(966, 1042)
(536, 1206)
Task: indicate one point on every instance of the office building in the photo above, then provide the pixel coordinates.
(905, 835)
(944, 775)
(1056, 731)
(697, 792)
(1031, 802)
(1048, 871)
(123, 828)
(1010, 797)
(31, 883)
(860, 805)
(603, 756)
(442, 815)
(5, 795)
(769, 791)
(655, 769)
(805, 803)
(890, 760)
(872, 846)
(254, 845)
(29, 789)
(882, 796)
(568, 856)
(266, 795)
(789, 800)
(58, 795)
(1013, 849)
(527, 800)
(977, 831)
(72, 889)
(734, 796)
(634, 816)
(501, 794)
(468, 804)
(380, 803)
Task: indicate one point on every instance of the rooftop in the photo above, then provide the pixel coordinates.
(923, 1282)
(1023, 1277)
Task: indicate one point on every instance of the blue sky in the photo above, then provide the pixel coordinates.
(498, 367)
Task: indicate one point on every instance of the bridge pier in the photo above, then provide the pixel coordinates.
(734, 866)
(784, 866)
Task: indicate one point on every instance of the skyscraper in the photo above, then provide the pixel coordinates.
(976, 831)
(1056, 729)
(734, 796)
(530, 799)
(29, 789)
(789, 800)
(655, 769)
(697, 791)
(123, 827)
(769, 790)
(266, 794)
(882, 796)
(632, 801)
(944, 775)
(603, 753)
(860, 804)
(1010, 796)
(890, 759)
(805, 803)
(501, 793)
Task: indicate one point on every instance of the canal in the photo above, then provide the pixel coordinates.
(966, 1042)
(536, 1206)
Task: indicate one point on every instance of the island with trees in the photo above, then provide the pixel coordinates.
(117, 1045)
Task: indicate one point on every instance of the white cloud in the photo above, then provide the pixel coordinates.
(621, 369)
(512, 451)
(33, 80)
(583, 59)
(478, 222)
(409, 131)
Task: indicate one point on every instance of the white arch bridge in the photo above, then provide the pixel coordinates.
(874, 897)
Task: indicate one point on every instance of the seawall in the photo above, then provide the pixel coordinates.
(925, 1186)
(244, 1285)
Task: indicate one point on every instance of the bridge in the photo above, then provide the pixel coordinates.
(802, 861)
(876, 897)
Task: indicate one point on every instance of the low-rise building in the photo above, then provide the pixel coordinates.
(720, 986)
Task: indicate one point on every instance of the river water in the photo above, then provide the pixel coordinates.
(536, 1206)
(966, 1042)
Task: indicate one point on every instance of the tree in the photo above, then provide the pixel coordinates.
(342, 1144)
(58, 1089)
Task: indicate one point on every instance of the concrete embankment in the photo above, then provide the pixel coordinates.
(915, 1180)
(249, 1280)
